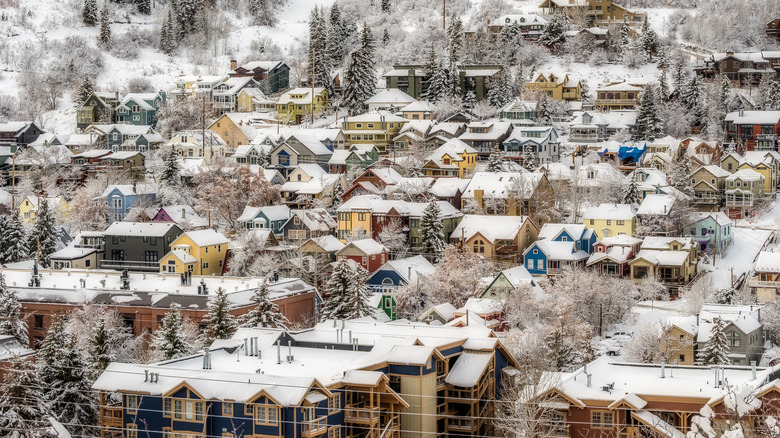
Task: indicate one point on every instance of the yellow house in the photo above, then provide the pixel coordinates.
(235, 129)
(670, 260)
(28, 209)
(294, 105)
(619, 95)
(564, 87)
(202, 252)
(767, 163)
(354, 216)
(376, 128)
(253, 99)
(610, 220)
(453, 158)
(678, 344)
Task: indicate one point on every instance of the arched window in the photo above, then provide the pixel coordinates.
(479, 246)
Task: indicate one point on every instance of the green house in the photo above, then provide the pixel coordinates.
(385, 302)
(140, 108)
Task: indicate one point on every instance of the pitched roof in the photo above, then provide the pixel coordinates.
(366, 246)
(139, 229)
(207, 237)
(491, 228)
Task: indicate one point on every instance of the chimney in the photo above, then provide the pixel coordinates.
(289, 352)
(350, 336)
(741, 113)
(588, 376)
(257, 346)
(233, 64)
(206, 359)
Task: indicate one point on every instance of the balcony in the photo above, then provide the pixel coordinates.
(313, 428)
(756, 282)
(130, 265)
(391, 429)
(111, 416)
(739, 202)
(615, 102)
(440, 382)
(362, 413)
(463, 424)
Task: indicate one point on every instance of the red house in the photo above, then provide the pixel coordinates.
(753, 130)
(372, 182)
(368, 253)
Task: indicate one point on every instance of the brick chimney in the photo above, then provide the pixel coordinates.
(233, 64)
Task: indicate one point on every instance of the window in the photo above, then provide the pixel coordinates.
(205, 265)
(334, 403)
(188, 410)
(150, 256)
(620, 222)
(38, 322)
(364, 261)
(131, 403)
(682, 358)
(479, 246)
(592, 222)
(227, 409)
(132, 430)
(602, 420)
(266, 414)
(609, 222)
(334, 432)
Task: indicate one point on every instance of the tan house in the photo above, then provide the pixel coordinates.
(765, 283)
(592, 12)
(709, 185)
(500, 238)
(618, 95)
(565, 87)
(670, 260)
(680, 341)
(744, 192)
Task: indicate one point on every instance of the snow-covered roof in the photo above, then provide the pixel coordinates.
(316, 219)
(768, 261)
(448, 187)
(559, 250)
(130, 189)
(550, 230)
(663, 258)
(272, 212)
(366, 246)
(409, 268)
(265, 65)
(419, 106)
(469, 368)
(745, 175)
(139, 229)
(655, 204)
(688, 324)
(665, 243)
(718, 216)
(498, 185)
(392, 96)
(10, 347)
(491, 228)
(618, 254)
(328, 243)
(207, 237)
(716, 171)
(183, 256)
(521, 19)
(753, 117)
(610, 211)
(744, 317)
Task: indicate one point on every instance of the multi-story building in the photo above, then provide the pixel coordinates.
(140, 109)
(753, 130)
(538, 143)
(564, 87)
(271, 76)
(619, 95)
(377, 128)
(340, 379)
(709, 184)
(473, 77)
(593, 126)
(529, 25)
(138, 246)
(744, 191)
(295, 105)
(670, 260)
(594, 12)
(744, 68)
(499, 238)
(609, 220)
(765, 282)
(201, 252)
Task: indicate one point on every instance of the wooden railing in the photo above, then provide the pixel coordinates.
(111, 416)
(361, 413)
(315, 427)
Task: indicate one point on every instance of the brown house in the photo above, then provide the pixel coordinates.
(773, 29)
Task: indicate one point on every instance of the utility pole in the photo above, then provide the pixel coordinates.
(13, 182)
(203, 126)
(313, 62)
(444, 15)
(715, 249)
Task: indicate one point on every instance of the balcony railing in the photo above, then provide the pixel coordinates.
(316, 427)
(130, 265)
(111, 416)
(613, 102)
(739, 202)
(362, 413)
(462, 424)
(755, 282)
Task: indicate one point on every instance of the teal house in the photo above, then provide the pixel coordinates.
(140, 108)
(707, 228)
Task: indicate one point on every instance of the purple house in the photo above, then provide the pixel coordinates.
(182, 215)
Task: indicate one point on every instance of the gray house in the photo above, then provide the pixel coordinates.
(300, 149)
(743, 329)
(138, 246)
(538, 143)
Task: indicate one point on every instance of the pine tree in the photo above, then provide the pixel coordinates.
(649, 40)
(86, 88)
(724, 96)
(559, 352)
(335, 36)
(347, 293)
(264, 312)
(359, 78)
(23, 410)
(432, 232)
(624, 42)
(663, 87)
(385, 6)
(10, 314)
(554, 33)
(679, 79)
(318, 51)
(170, 174)
(648, 123)
(631, 192)
(434, 84)
(168, 35)
(455, 36)
(469, 100)
(495, 161)
(105, 26)
(338, 190)
(680, 175)
(692, 97)
(186, 11)
(89, 14)
(543, 113)
(716, 350)
(144, 6)
(43, 240)
(63, 374)
(15, 241)
(169, 339)
(500, 92)
(221, 323)
(102, 352)
(529, 158)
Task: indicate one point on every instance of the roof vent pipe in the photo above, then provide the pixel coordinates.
(663, 369)
(146, 375)
(350, 336)
(753, 368)
(588, 375)
(278, 352)
(257, 346)
(246, 347)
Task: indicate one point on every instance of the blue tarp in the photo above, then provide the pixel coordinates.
(633, 152)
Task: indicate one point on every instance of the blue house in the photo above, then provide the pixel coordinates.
(400, 272)
(331, 380)
(706, 228)
(120, 198)
(140, 108)
(549, 257)
(583, 237)
(273, 217)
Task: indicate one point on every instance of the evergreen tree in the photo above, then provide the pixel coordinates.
(43, 240)
(347, 293)
(4, 220)
(63, 374)
(435, 82)
(716, 350)
(86, 88)
(500, 92)
(559, 351)
(359, 78)
(469, 100)
(385, 6)
(318, 51)
(543, 113)
(529, 158)
(170, 174)
(692, 97)
(104, 342)
(631, 193)
(221, 323)
(89, 14)
(169, 339)
(495, 161)
(648, 123)
(772, 96)
(23, 410)
(455, 36)
(264, 312)
(649, 40)
(168, 35)
(144, 6)
(680, 175)
(185, 11)
(336, 36)
(105, 26)
(663, 87)
(554, 33)
(679, 79)
(624, 42)
(724, 96)
(15, 241)
(10, 314)
(432, 232)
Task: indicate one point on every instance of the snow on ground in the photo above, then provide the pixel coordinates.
(739, 256)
